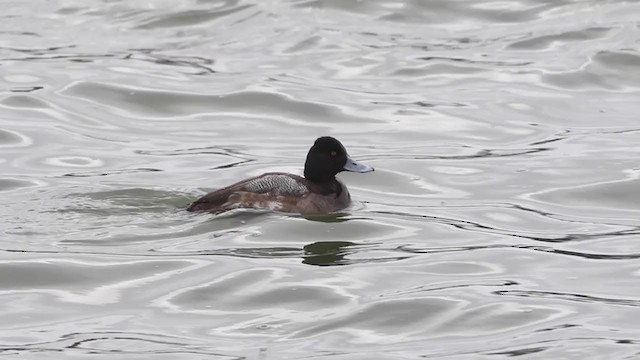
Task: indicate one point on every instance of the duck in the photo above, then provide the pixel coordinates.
(318, 192)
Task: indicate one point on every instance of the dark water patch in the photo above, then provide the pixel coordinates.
(569, 296)
(251, 253)
(547, 41)
(590, 256)
(423, 104)
(603, 346)
(24, 102)
(475, 62)
(558, 327)
(77, 58)
(232, 164)
(469, 285)
(520, 352)
(11, 138)
(110, 172)
(548, 141)
(438, 12)
(193, 17)
(223, 153)
(8, 184)
(122, 344)
(208, 150)
(608, 70)
(471, 154)
(203, 65)
(21, 33)
(26, 89)
(41, 51)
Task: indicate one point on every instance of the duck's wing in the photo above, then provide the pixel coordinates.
(269, 185)
(277, 184)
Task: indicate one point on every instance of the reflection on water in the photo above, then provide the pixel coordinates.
(503, 210)
(328, 253)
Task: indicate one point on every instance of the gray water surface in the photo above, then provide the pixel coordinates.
(502, 219)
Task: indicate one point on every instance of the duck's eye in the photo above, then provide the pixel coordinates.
(333, 153)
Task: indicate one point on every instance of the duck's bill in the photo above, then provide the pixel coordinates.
(355, 166)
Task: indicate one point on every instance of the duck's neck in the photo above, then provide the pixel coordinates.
(316, 176)
(332, 185)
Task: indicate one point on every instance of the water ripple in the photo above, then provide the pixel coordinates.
(503, 209)
(122, 343)
(570, 297)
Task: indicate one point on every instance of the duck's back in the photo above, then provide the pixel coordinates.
(278, 184)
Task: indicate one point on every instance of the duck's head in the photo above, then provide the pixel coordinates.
(326, 158)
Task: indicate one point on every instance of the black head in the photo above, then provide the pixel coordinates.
(326, 158)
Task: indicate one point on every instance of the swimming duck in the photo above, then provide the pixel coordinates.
(318, 192)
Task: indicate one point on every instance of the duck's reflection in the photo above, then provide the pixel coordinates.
(327, 253)
(329, 218)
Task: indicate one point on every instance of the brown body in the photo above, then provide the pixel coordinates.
(277, 191)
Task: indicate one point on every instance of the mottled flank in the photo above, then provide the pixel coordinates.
(276, 184)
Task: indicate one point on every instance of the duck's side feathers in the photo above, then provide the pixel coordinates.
(268, 185)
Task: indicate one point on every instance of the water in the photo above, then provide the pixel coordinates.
(501, 221)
